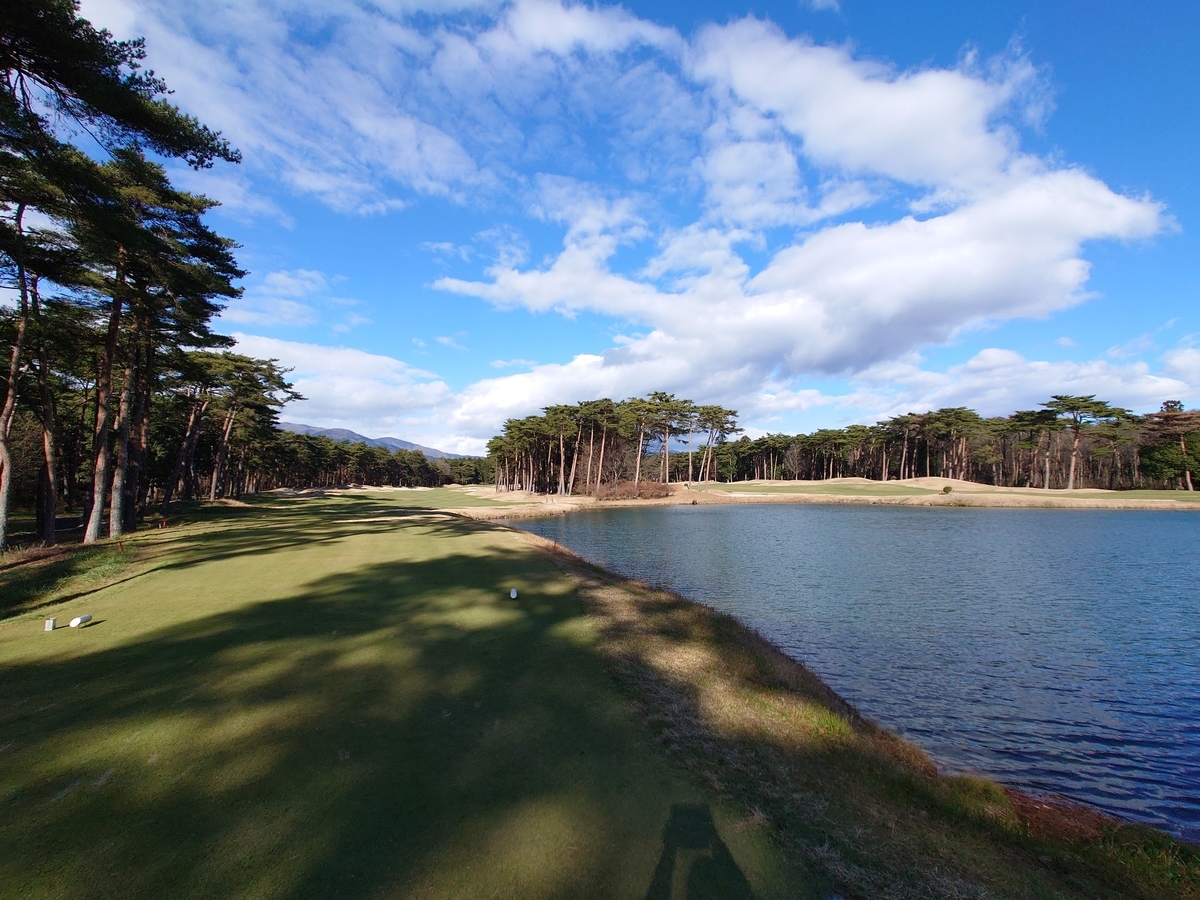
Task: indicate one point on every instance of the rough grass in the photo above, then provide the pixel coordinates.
(336, 696)
(36, 577)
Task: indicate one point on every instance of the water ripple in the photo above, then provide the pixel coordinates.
(1057, 650)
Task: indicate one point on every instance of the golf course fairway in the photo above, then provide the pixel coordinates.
(336, 696)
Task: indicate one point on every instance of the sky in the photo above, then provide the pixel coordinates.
(816, 213)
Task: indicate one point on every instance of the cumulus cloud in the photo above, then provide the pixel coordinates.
(1184, 364)
(750, 209)
(997, 381)
(348, 388)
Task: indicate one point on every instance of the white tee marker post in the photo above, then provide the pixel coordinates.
(81, 620)
(513, 593)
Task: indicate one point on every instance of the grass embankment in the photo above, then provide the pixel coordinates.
(932, 487)
(337, 697)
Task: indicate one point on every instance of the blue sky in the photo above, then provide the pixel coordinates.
(456, 211)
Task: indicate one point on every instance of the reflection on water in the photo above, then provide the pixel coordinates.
(1058, 650)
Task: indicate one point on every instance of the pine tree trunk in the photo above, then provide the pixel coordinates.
(1074, 461)
(48, 508)
(690, 433)
(116, 503)
(637, 470)
(667, 456)
(600, 466)
(574, 460)
(562, 465)
(1187, 468)
(1046, 462)
(186, 447)
(216, 487)
(103, 413)
(10, 399)
(591, 446)
(137, 483)
(6, 417)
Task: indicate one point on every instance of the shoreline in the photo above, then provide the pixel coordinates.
(1053, 811)
(923, 492)
(750, 721)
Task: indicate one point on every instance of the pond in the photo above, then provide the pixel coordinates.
(1055, 650)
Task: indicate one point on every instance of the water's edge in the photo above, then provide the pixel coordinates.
(960, 725)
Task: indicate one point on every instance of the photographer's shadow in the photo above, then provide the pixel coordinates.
(695, 863)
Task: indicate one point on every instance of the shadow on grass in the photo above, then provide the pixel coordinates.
(39, 577)
(404, 729)
(695, 862)
(285, 523)
(867, 812)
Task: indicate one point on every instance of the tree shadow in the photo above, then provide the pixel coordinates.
(399, 729)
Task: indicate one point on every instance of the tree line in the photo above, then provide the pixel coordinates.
(116, 396)
(597, 446)
(607, 448)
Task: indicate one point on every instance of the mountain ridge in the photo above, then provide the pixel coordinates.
(388, 443)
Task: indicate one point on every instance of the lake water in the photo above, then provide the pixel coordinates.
(1056, 650)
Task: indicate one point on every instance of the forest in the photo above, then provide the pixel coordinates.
(116, 395)
(628, 448)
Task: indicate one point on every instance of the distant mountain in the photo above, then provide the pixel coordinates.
(388, 443)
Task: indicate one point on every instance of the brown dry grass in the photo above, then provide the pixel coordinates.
(624, 490)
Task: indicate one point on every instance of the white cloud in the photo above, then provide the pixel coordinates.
(346, 388)
(278, 300)
(931, 127)
(271, 311)
(997, 381)
(1184, 364)
(233, 191)
(673, 166)
(848, 296)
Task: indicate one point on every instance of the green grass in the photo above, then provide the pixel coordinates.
(35, 578)
(337, 697)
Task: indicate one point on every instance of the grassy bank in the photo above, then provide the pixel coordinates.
(336, 696)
